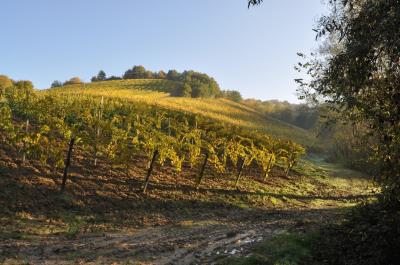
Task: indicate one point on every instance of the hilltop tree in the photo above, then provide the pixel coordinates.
(101, 76)
(160, 75)
(233, 95)
(202, 85)
(173, 75)
(5, 83)
(56, 83)
(137, 72)
(24, 85)
(73, 81)
(113, 77)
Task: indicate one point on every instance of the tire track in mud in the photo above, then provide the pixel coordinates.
(204, 242)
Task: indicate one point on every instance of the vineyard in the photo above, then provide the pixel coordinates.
(49, 127)
(157, 93)
(200, 132)
(82, 162)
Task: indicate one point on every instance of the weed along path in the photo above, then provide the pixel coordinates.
(171, 224)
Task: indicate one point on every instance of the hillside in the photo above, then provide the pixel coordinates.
(110, 172)
(156, 93)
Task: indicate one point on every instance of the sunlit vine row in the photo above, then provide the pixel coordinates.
(46, 127)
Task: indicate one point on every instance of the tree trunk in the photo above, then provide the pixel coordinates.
(239, 173)
(150, 169)
(67, 163)
(203, 167)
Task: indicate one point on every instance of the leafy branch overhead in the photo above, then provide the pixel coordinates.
(254, 2)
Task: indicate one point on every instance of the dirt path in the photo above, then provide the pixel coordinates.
(190, 242)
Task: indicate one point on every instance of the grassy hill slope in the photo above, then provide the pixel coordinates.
(155, 92)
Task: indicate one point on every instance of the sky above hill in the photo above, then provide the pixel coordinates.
(250, 50)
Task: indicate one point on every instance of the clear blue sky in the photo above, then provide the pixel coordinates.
(251, 50)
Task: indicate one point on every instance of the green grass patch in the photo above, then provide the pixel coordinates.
(284, 249)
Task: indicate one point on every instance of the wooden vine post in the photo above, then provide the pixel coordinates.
(149, 170)
(266, 173)
(239, 175)
(203, 167)
(67, 163)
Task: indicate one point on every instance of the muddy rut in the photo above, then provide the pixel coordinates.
(189, 242)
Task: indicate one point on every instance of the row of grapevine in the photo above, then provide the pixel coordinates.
(45, 127)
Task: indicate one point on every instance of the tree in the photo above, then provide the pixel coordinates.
(73, 81)
(5, 83)
(183, 91)
(232, 95)
(101, 76)
(173, 75)
(160, 75)
(359, 75)
(202, 85)
(137, 72)
(56, 83)
(113, 77)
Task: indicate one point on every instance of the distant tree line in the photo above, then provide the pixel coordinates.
(72, 81)
(193, 84)
(300, 115)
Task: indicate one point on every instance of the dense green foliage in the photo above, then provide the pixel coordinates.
(73, 81)
(357, 75)
(5, 83)
(138, 72)
(360, 76)
(56, 83)
(101, 76)
(232, 95)
(202, 86)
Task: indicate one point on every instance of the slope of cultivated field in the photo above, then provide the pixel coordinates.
(104, 215)
(156, 92)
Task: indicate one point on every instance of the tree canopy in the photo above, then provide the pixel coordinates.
(360, 75)
(233, 95)
(73, 81)
(56, 83)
